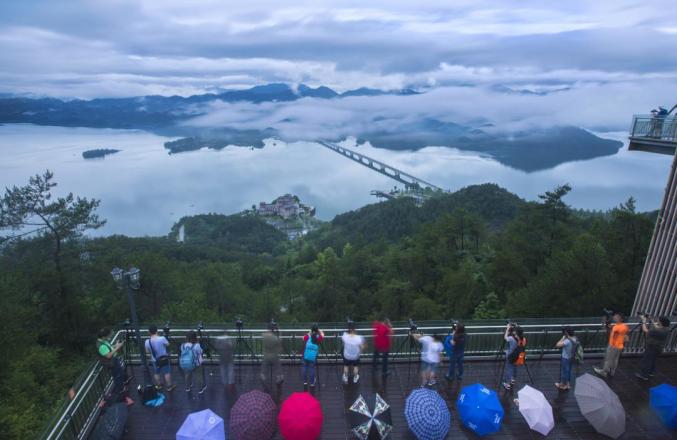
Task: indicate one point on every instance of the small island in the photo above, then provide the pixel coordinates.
(98, 152)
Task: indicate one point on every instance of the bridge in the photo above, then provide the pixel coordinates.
(410, 182)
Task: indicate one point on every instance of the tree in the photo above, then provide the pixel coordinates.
(489, 308)
(556, 210)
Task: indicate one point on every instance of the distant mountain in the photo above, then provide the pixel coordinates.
(527, 150)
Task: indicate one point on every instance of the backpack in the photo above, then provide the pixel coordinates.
(518, 355)
(448, 348)
(187, 360)
(310, 353)
(578, 353)
(106, 362)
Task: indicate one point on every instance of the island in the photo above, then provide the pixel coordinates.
(98, 152)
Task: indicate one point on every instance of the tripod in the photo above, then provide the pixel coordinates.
(240, 343)
(206, 350)
(409, 339)
(126, 357)
(502, 370)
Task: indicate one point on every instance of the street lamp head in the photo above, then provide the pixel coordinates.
(134, 277)
(117, 274)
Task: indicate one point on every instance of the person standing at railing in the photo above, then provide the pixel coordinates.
(515, 353)
(431, 347)
(656, 333)
(454, 345)
(272, 347)
(383, 332)
(618, 336)
(156, 346)
(353, 344)
(108, 356)
(569, 344)
(224, 347)
(190, 361)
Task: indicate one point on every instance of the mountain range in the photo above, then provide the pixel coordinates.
(528, 150)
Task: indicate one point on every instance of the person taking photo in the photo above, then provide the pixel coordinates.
(431, 347)
(569, 344)
(156, 347)
(454, 346)
(618, 335)
(353, 344)
(108, 356)
(656, 333)
(383, 332)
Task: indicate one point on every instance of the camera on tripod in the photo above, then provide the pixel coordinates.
(239, 324)
(454, 325)
(272, 325)
(350, 323)
(412, 326)
(608, 316)
(644, 315)
(166, 328)
(200, 326)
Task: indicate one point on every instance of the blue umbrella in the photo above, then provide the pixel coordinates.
(427, 414)
(480, 409)
(663, 400)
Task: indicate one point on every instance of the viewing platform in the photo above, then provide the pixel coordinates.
(653, 134)
(484, 359)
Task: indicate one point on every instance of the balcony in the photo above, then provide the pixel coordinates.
(77, 418)
(653, 134)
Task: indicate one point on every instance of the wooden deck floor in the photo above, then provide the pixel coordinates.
(163, 422)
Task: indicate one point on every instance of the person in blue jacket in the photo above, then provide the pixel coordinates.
(454, 346)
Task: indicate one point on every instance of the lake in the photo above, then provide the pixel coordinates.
(144, 190)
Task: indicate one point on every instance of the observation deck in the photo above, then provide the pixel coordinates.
(78, 417)
(654, 134)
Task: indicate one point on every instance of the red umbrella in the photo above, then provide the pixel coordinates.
(300, 417)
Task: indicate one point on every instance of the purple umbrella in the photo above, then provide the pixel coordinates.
(253, 416)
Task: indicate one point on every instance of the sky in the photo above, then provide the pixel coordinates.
(586, 59)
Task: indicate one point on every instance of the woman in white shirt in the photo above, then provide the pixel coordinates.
(430, 357)
(353, 344)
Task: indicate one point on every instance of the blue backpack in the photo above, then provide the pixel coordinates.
(310, 353)
(448, 348)
(187, 360)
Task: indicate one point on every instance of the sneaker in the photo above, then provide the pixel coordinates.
(356, 378)
(204, 387)
(641, 376)
(158, 387)
(507, 386)
(432, 382)
(188, 389)
(305, 384)
(345, 379)
(312, 385)
(599, 371)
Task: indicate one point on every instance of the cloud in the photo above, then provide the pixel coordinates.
(125, 47)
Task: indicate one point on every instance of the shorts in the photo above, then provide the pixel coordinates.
(167, 369)
(351, 362)
(428, 367)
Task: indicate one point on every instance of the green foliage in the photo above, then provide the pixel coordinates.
(478, 253)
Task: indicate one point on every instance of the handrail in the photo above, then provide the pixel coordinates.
(76, 418)
(654, 127)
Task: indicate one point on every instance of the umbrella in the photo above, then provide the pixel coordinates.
(536, 410)
(480, 409)
(383, 427)
(663, 400)
(202, 425)
(253, 416)
(600, 405)
(300, 417)
(427, 414)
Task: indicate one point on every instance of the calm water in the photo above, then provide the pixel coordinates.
(143, 190)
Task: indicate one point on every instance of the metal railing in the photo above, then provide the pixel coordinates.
(654, 128)
(76, 417)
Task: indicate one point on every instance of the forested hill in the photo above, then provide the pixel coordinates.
(394, 219)
(480, 252)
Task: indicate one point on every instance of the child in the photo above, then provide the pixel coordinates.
(309, 359)
(353, 344)
(191, 360)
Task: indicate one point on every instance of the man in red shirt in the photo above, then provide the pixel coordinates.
(382, 334)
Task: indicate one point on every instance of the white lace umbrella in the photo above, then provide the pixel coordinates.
(600, 405)
(536, 410)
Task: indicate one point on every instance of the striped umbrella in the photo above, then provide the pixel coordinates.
(253, 416)
(427, 414)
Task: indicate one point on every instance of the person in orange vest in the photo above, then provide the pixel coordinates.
(617, 338)
(515, 354)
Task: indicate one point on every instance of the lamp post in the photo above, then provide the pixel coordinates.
(131, 281)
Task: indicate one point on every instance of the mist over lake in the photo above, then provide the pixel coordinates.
(144, 190)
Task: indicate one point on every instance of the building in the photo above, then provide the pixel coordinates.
(286, 206)
(657, 292)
